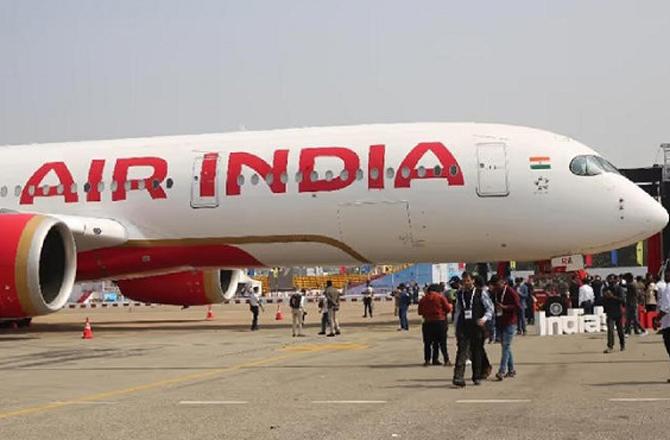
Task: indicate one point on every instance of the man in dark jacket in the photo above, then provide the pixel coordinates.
(473, 309)
(404, 301)
(614, 298)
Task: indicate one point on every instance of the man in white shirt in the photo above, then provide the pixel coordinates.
(586, 297)
(664, 311)
(368, 294)
(254, 305)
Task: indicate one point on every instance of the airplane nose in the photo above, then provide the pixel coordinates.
(641, 213)
(657, 216)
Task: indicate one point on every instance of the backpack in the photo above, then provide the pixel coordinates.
(294, 301)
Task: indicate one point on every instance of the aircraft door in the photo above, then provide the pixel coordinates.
(205, 181)
(492, 177)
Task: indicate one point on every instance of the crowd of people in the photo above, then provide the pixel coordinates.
(493, 311)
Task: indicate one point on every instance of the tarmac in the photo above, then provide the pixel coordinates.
(165, 373)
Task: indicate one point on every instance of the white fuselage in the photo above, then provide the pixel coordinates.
(511, 195)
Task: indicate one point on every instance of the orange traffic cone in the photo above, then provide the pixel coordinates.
(279, 315)
(88, 331)
(210, 314)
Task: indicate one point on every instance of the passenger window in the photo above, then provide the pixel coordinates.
(127, 185)
(73, 188)
(421, 172)
(437, 170)
(283, 178)
(390, 173)
(31, 190)
(404, 172)
(453, 170)
(3, 191)
(254, 179)
(298, 177)
(101, 187)
(269, 179)
(45, 190)
(169, 182)
(87, 187)
(17, 190)
(374, 174)
(240, 180)
(344, 175)
(114, 186)
(155, 183)
(314, 176)
(60, 190)
(359, 174)
(329, 176)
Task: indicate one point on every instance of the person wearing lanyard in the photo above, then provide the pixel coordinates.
(473, 310)
(507, 306)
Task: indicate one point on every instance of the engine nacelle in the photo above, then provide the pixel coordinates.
(189, 288)
(38, 265)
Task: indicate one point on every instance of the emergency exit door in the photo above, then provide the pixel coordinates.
(492, 178)
(205, 181)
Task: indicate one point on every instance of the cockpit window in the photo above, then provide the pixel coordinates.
(589, 165)
(607, 166)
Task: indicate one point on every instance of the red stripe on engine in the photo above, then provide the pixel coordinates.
(114, 262)
(12, 226)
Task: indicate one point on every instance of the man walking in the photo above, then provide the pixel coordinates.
(333, 300)
(614, 299)
(255, 304)
(507, 306)
(473, 310)
(434, 308)
(297, 304)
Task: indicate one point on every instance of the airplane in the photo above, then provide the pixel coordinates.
(173, 220)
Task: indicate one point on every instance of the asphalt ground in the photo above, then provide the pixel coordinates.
(164, 373)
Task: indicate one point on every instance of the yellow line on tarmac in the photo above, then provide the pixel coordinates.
(159, 384)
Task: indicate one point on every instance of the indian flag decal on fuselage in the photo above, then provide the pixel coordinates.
(540, 162)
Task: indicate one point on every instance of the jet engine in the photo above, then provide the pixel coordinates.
(188, 288)
(38, 264)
